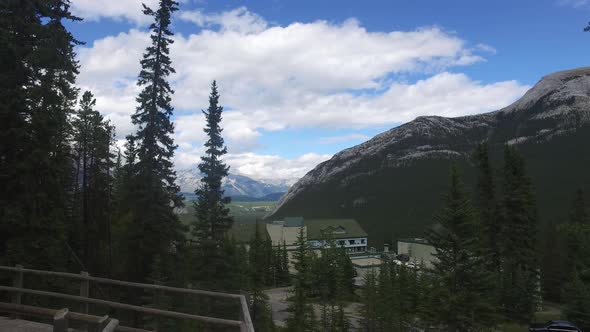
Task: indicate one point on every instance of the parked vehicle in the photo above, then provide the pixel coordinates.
(554, 325)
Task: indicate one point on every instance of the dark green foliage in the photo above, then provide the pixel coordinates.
(92, 140)
(150, 225)
(489, 229)
(461, 284)
(554, 262)
(576, 294)
(302, 315)
(575, 238)
(520, 271)
(577, 300)
(38, 94)
(333, 284)
(259, 266)
(393, 299)
(370, 299)
(212, 216)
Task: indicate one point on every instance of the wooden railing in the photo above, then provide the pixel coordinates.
(104, 323)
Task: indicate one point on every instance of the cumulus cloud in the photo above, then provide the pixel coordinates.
(131, 10)
(238, 20)
(273, 167)
(302, 75)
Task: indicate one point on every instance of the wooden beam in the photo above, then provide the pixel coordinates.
(151, 311)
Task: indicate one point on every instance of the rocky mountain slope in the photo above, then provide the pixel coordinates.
(233, 184)
(393, 182)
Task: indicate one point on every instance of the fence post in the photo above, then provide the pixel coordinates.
(85, 292)
(60, 321)
(17, 282)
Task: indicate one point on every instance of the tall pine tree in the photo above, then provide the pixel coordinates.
(520, 274)
(459, 299)
(154, 228)
(92, 138)
(302, 317)
(212, 216)
(38, 93)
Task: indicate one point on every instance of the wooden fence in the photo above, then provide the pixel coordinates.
(62, 317)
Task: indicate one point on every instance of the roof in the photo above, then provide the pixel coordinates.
(414, 240)
(293, 222)
(337, 228)
(244, 232)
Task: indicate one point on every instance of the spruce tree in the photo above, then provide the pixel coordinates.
(259, 308)
(576, 242)
(370, 299)
(520, 274)
(212, 216)
(577, 301)
(284, 261)
(92, 138)
(154, 228)
(302, 317)
(459, 299)
(38, 93)
(489, 226)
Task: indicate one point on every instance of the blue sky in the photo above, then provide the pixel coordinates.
(302, 80)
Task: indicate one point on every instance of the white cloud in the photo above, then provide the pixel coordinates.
(93, 10)
(344, 138)
(575, 3)
(303, 75)
(272, 167)
(238, 20)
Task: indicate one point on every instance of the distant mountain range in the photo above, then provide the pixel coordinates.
(234, 185)
(393, 183)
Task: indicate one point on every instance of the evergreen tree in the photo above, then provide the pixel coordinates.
(154, 227)
(489, 226)
(576, 243)
(212, 215)
(370, 301)
(38, 93)
(459, 301)
(284, 262)
(92, 138)
(520, 276)
(302, 315)
(577, 301)
(258, 258)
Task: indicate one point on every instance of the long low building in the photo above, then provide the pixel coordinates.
(345, 232)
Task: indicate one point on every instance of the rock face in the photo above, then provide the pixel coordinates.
(393, 182)
(233, 184)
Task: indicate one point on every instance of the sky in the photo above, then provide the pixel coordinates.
(302, 80)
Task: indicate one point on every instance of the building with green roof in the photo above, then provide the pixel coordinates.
(346, 232)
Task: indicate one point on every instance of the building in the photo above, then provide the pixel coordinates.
(345, 232)
(285, 231)
(417, 250)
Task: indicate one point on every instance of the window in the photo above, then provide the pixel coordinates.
(351, 241)
(341, 242)
(362, 241)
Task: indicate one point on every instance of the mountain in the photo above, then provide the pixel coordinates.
(266, 198)
(392, 184)
(233, 184)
